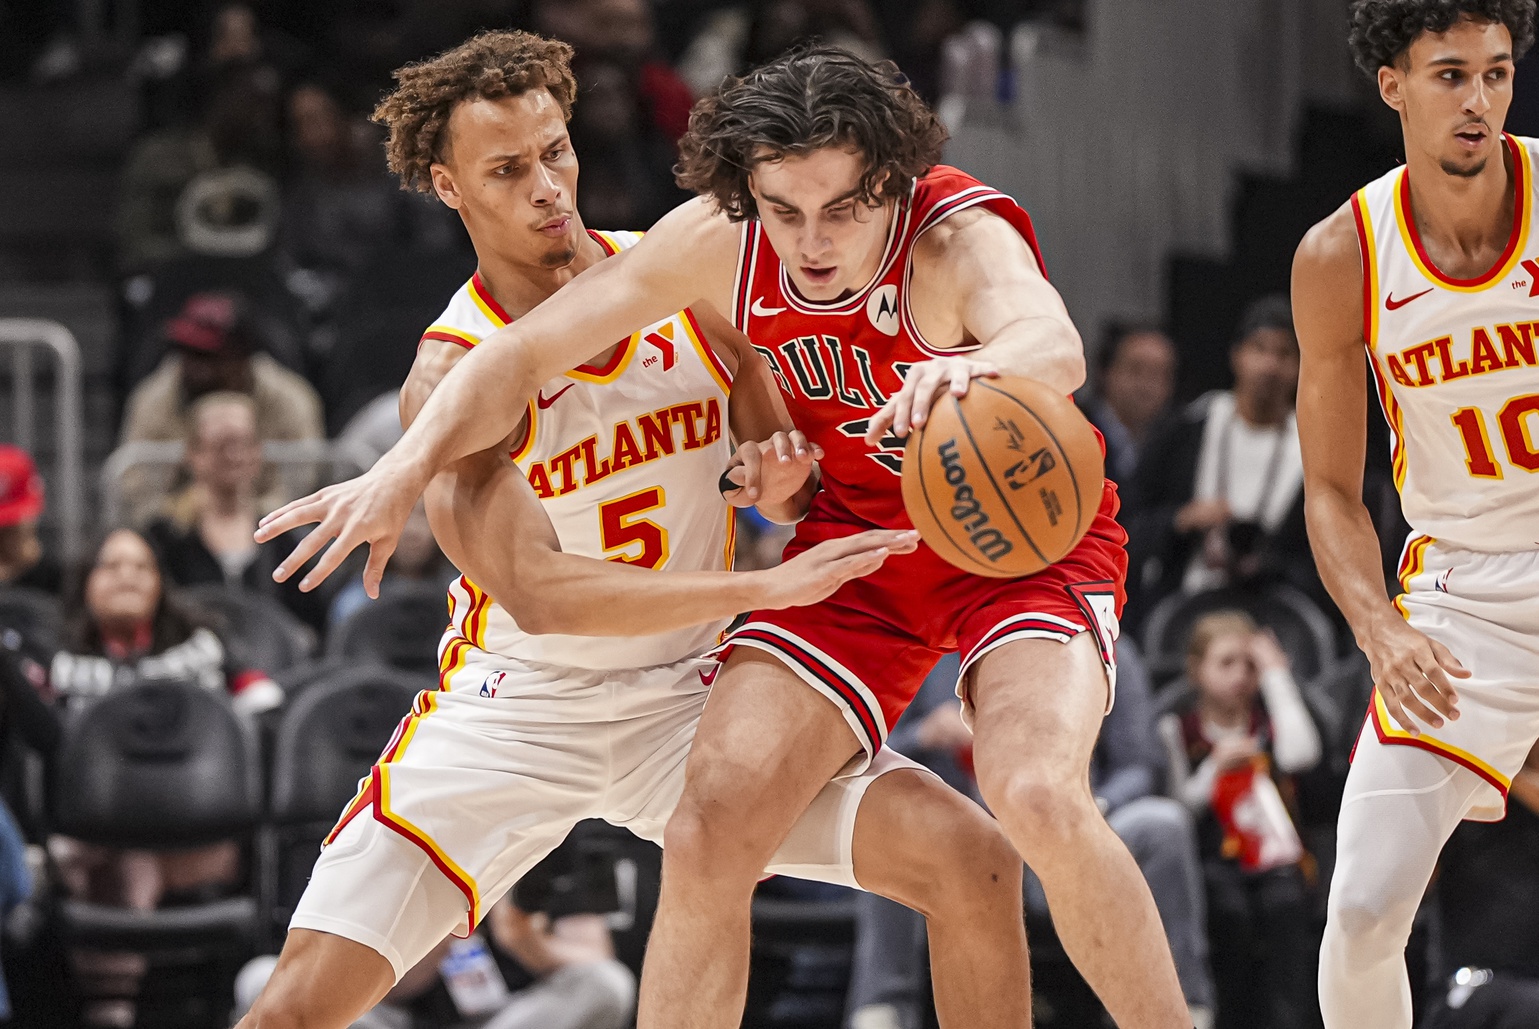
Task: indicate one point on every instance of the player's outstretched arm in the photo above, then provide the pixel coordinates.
(491, 524)
(1411, 671)
(974, 272)
(482, 399)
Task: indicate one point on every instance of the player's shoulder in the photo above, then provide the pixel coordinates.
(1332, 245)
(469, 317)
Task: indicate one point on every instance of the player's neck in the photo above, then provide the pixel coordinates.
(1458, 214)
(520, 287)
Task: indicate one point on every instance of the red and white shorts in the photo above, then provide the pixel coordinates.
(869, 646)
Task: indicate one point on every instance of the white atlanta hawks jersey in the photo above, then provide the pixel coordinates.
(1456, 370)
(626, 460)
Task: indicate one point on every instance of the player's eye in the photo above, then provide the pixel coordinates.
(783, 214)
(1451, 76)
(841, 212)
(554, 153)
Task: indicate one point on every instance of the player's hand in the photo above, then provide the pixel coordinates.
(809, 577)
(1411, 672)
(1233, 753)
(922, 387)
(371, 509)
(773, 471)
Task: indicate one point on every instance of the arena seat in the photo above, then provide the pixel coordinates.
(161, 765)
(1305, 632)
(327, 740)
(800, 965)
(401, 629)
(262, 632)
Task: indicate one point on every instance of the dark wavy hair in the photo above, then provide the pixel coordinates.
(810, 98)
(1383, 30)
(487, 66)
(171, 623)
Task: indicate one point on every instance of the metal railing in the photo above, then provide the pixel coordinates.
(300, 466)
(22, 336)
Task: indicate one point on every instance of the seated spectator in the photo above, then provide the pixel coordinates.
(1218, 498)
(537, 974)
(633, 185)
(1137, 365)
(416, 559)
(215, 348)
(206, 532)
(124, 628)
(1487, 893)
(1234, 745)
(22, 561)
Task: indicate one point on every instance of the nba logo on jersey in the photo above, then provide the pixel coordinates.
(1441, 582)
(489, 687)
(882, 309)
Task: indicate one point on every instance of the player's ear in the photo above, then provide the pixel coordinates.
(444, 185)
(1391, 86)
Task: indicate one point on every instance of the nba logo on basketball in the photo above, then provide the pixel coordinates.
(489, 687)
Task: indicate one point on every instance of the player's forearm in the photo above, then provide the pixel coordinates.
(1346, 550)
(583, 596)
(1045, 348)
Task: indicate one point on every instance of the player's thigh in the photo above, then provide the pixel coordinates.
(322, 981)
(1037, 708)
(765, 746)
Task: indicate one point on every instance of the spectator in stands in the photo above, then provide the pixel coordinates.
(339, 208)
(1218, 497)
(737, 38)
(22, 561)
(1137, 365)
(1125, 769)
(1234, 742)
(416, 559)
(632, 185)
(125, 628)
(1487, 893)
(622, 33)
(537, 974)
(205, 534)
(211, 188)
(215, 348)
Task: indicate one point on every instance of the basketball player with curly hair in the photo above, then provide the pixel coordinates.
(871, 280)
(1432, 270)
(571, 682)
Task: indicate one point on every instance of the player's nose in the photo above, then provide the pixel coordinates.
(547, 187)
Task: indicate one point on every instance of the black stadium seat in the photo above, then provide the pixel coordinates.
(161, 765)
(260, 631)
(1304, 631)
(401, 629)
(329, 737)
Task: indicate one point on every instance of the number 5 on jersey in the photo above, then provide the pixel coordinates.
(620, 529)
(1518, 422)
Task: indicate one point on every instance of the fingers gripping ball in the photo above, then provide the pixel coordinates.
(1005, 480)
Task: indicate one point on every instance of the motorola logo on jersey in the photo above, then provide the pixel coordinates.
(882, 309)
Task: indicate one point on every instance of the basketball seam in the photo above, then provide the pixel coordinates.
(925, 492)
(984, 464)
(1079, 507)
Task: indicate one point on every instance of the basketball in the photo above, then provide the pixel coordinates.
(1004, 481)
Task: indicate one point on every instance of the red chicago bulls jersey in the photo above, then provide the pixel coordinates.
(837, 362)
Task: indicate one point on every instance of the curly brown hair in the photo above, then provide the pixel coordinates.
(487, 66)
(1383, 30)
(810, 98)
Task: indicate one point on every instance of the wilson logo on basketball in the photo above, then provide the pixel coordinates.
(966, 509)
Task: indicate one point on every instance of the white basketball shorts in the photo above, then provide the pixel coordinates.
(1484, 607)
(485, 778)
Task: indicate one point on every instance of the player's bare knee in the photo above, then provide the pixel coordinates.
(714, 846)
(1045, 810)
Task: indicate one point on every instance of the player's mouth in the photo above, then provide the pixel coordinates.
(1472, 137)
(556, 226)
(819, 276)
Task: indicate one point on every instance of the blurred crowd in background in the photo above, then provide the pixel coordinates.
(259, 282)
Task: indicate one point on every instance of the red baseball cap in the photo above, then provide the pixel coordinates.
(21, 488)
(209, 323)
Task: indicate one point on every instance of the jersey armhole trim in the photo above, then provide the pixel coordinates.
(1367, 251)
(713, 364)
(520, 451)
(940, 212)
(742, 278)
(447, 335)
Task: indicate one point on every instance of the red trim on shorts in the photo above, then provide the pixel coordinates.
(794, 650)
(1431, 747)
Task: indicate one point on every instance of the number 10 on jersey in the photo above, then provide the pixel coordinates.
(1517, 423)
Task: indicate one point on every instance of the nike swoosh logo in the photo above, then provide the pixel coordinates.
(1390, 303)
(758, 308)
(708, 679)
(543, 401)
